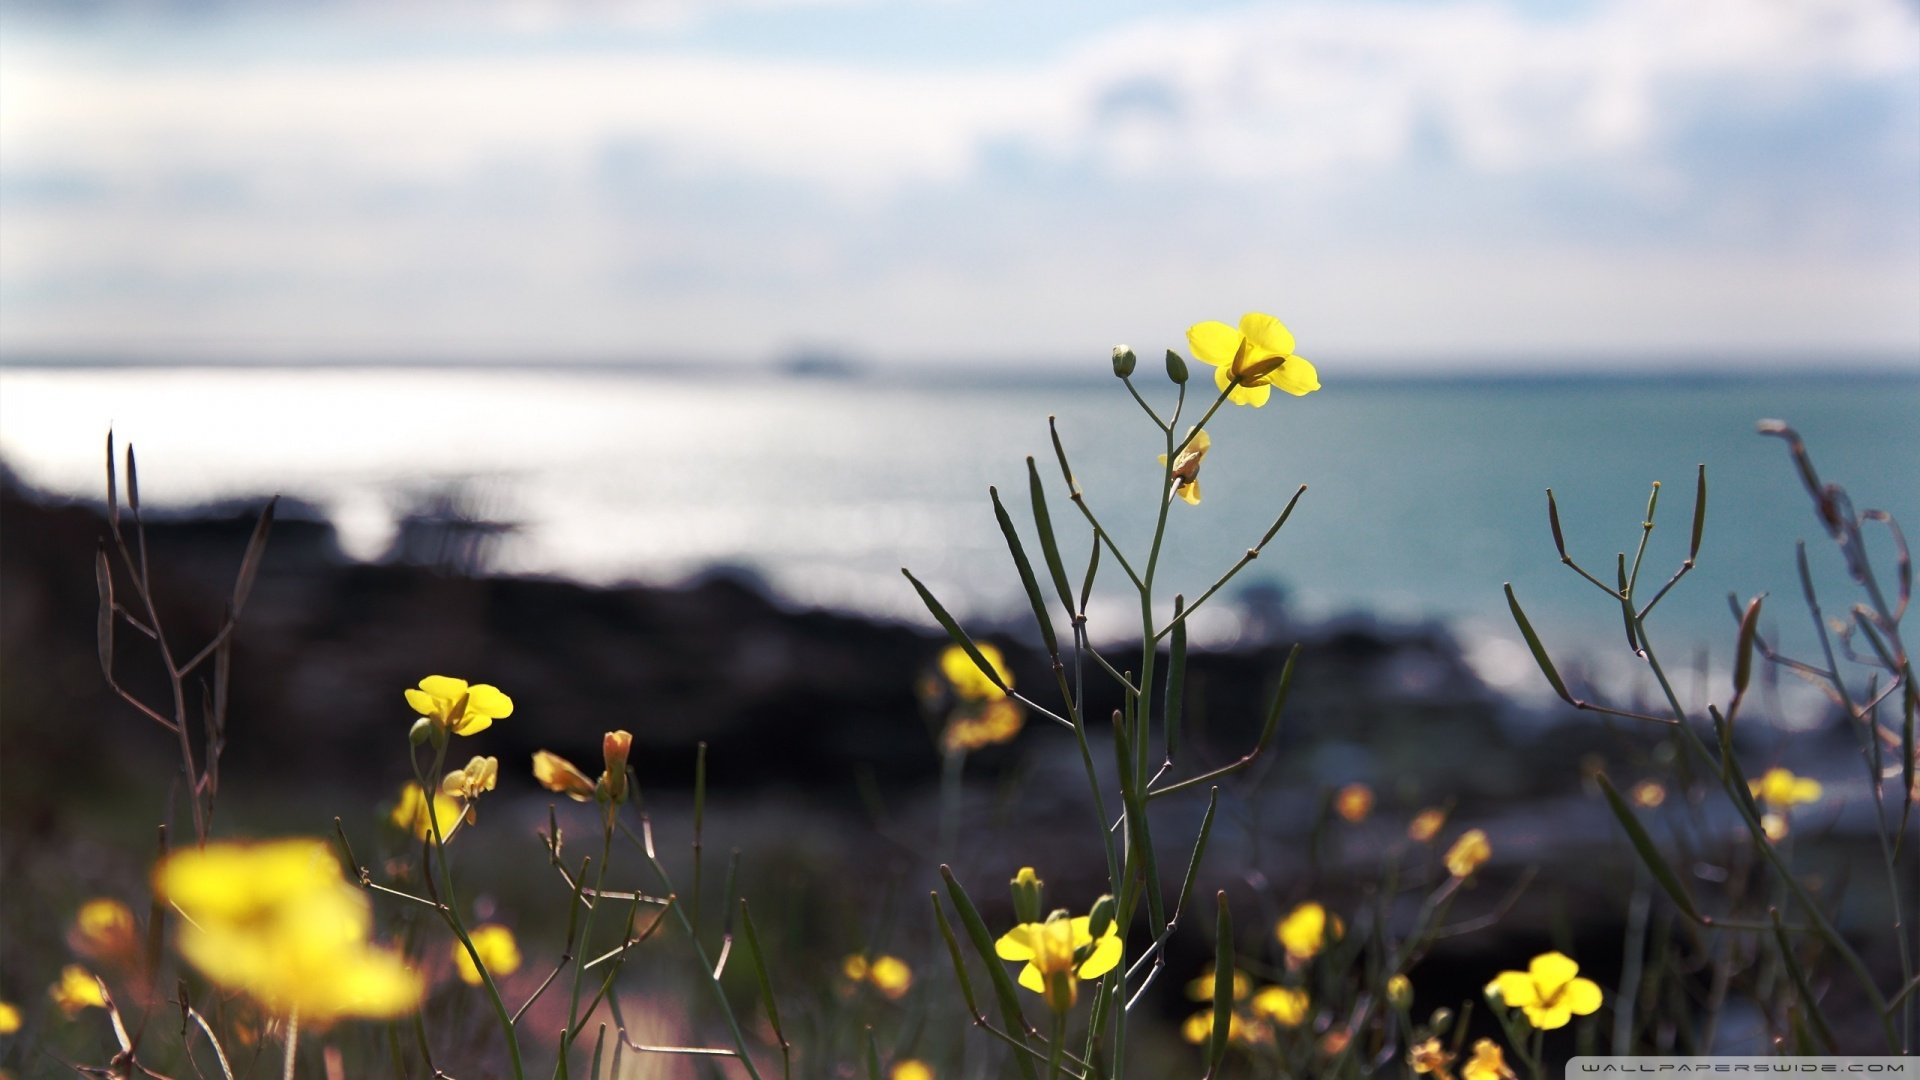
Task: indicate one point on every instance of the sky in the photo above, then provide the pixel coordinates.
(1426, 185)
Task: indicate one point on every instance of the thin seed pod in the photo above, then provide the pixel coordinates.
(1699, 514)
(113, 490)
(1025, 568)
(1533, 645)
(873, 1056)
(1743, 656)
(133, 482)
(760, 972)
(958, 635)
(1002, 983)
(103, 622)
(250, 562)
(1810, 1005)
(953, 953)
(1222, 983)
(1626, 601)
(1199, 850)
(1049, 544)
(1176, 679)
(1553, 522)
(1649, 853)
(1086, 584)
(599, 1047)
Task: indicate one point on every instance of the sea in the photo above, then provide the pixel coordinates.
(1424, 496)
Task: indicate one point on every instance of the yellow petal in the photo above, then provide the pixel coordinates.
(1804, 791)
(444, 687)
(471, 724)
(1105, 956)
(1515, 988)
(1030, 978)
(1549, 1017)
(1081, 927)
(1267, 333)
(1017, 943)
(1551, 971)
(1255, 396)
(1296, 377)
(489, 702)
(969, 682)
(1214, 343)
(1582, 996)
(424, 703)
(1190, 492)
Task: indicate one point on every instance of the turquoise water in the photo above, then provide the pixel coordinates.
(1424, 495)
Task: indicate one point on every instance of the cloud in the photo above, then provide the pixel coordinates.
(448, 198)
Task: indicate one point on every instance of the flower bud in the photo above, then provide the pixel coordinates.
(614, 747)
(421, 731)
(1399, 991)
(1026, 895)
(1123, 361)
(1176, 368)
(1101, 917)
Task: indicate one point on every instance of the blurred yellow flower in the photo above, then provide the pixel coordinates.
(1775, 826)
(1430, 1058)
(1307, 929)
(556, 773)
(1426, 825)
(1550, 991)
(9, 1018)
(104, 929)
(498, 951)
(1487, 1063)
(968, 681)
(1199, 1028)
(1353, 803)
(1201, 988)
(1282, 1005)
(1049, 949)
(891, 976)
(1253, 359)
(76, 990)
(410, 813)
(279, 922)
(911, 1069)
(1781, 789)
(989, 723)
(1649, 794)
(1469, 853)
(457, 708)
(1186, 466)
(469, 781)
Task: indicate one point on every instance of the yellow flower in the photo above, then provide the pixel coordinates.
(9, 1018)
(1487, 1062)
(497, 949)
(1550, 991)
(457, 708)
(1468, 853)
(1199, 1028)
(279, 922)
(968, 681)
(1249, 362)
(1282, 1005)
(467, 782)
(993, 722)
(1426, 825)
(1430, 1058)
(104, 929)
(1649, 794)
(411, 811)
(77, 989)
(556, 773)
(1781, 789)
(1186, 466)
(1775, 826)
(911, 1069)
(1056, 951)
(1354, 802)
(1201, 988)
(891, 976)
(1307, 929)
(854, 967)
